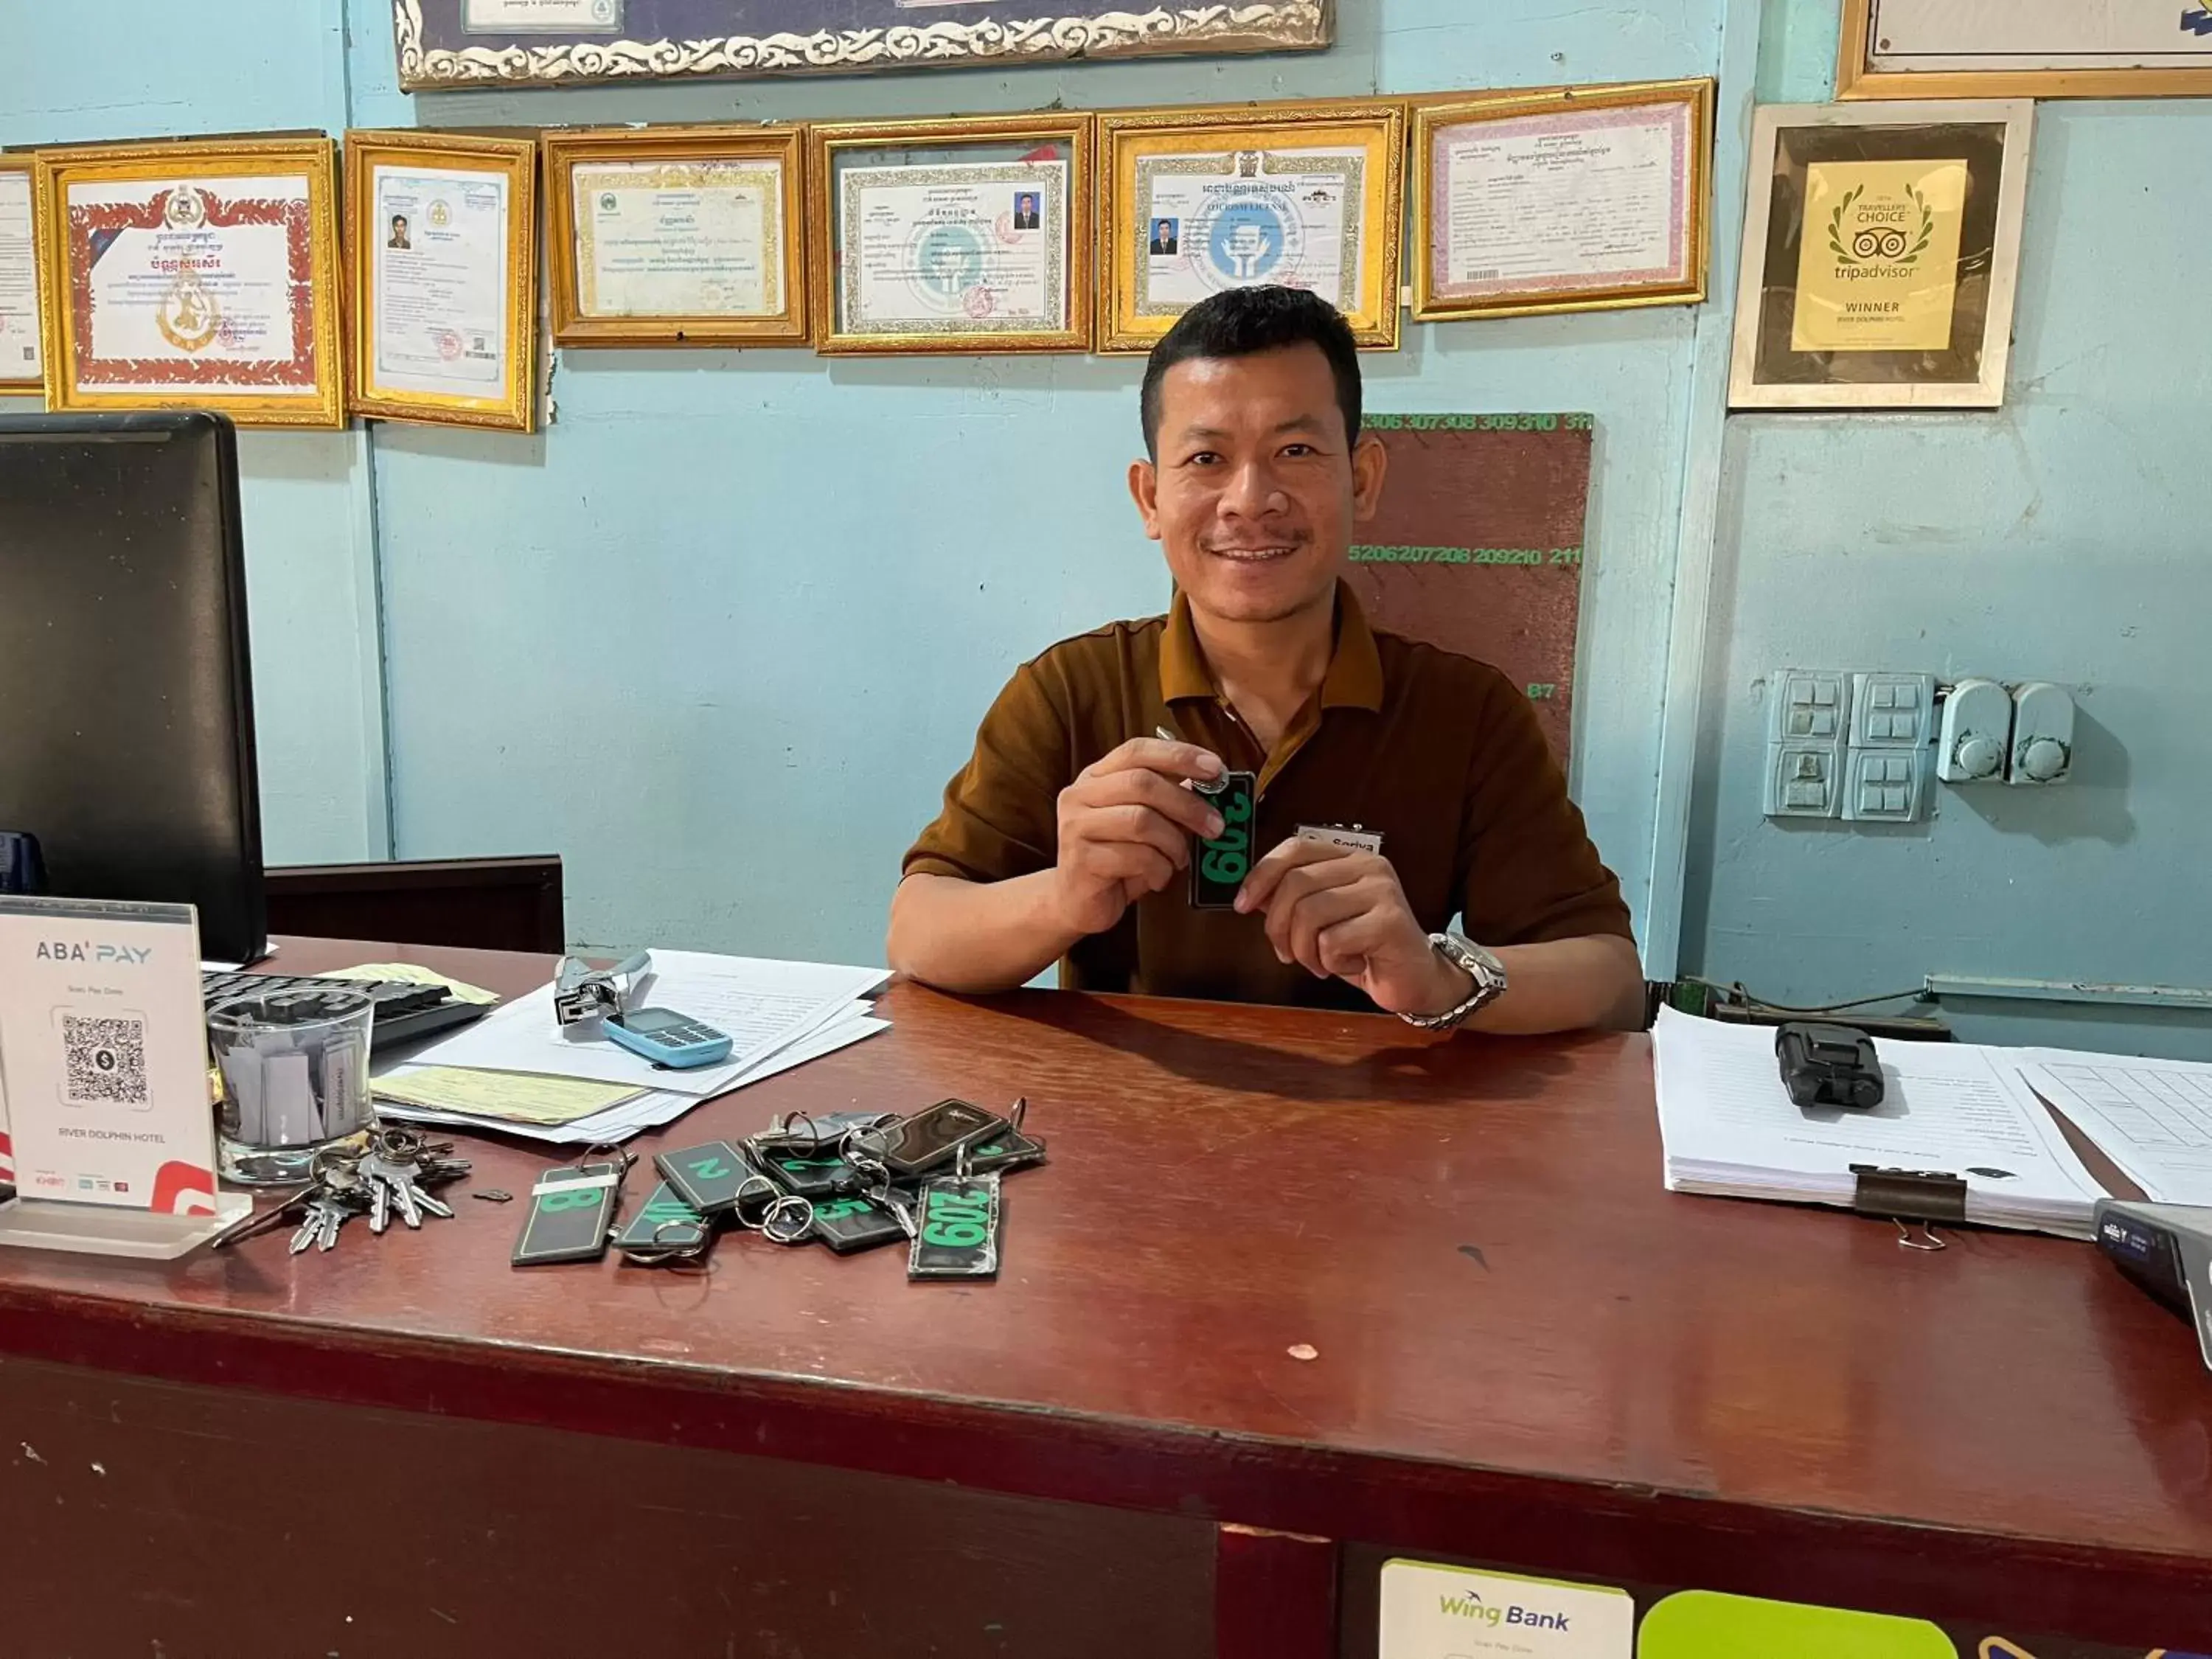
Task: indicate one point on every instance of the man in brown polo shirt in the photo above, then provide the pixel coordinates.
(1067, 836)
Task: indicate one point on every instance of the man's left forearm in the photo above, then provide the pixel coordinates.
(1567, 985)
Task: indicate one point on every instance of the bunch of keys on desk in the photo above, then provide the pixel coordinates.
(850, 1180)
(391, 1175)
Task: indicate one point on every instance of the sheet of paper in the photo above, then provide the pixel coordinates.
(2152, 1117)
(19, 279)
(1289, 215)
(192, 289)
(500, 1095)
(654, 1109)
(1556, 199)
(408, 973)
(439, 272)
(1949, 1106)
(969, 248)
(761, 1005)
(680, 238)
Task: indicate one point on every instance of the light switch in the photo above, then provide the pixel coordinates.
(1977, 734)
(1808, 724)
(1893, 710)
(2042, 734)
(1885, 786)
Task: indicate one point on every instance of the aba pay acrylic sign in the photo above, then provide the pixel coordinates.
(1453, 1612)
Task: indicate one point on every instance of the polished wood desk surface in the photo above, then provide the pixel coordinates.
(1525, 1349)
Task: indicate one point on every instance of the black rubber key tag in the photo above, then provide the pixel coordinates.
(1218, 867)
(957, 1229)
(665, 1226)
(572, 1206)
(1005, 1152)
(850, 1224)
(707, 1176)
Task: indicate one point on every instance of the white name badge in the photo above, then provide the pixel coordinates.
(1335, 835)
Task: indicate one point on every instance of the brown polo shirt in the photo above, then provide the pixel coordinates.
(1438, 752)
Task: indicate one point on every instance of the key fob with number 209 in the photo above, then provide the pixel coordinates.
(1218, 867)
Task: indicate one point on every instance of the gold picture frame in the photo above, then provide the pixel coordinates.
(428, 371)
(174, 190)
(1044, 159)
(1858, 74)
(21, 361)
(1152, 158)
(673, 157)
(1676, 150)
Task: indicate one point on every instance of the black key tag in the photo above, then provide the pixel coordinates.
(957, 1229)
(1218, 867)
(571, 1208)
(1005, 1152)
(707, 1176)
(850, 1224)
(665, 1226)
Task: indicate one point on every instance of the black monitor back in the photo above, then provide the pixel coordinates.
(126, 702)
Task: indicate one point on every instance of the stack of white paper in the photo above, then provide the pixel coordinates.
(1729, 1127)
(2152, 1117)
(778, 1015)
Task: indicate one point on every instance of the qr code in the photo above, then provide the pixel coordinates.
(107, 1060)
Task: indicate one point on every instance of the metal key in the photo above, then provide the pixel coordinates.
(267, 1221)
(391, 1182)
(380, 1203)
(334, 1217)
(309, 1230)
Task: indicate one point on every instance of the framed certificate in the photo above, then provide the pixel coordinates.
(676, 235)
(1583, 199)
(510, 43)
(201, 274)
(441, 245)
(21, 357)
(1880, 247)
(2025, 49)
(970, 235)
(1196, 200)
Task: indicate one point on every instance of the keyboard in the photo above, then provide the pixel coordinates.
(401, 1014)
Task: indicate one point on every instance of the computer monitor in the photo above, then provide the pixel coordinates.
(126, 702)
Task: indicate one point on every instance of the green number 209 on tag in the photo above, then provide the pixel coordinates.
(1220, 865)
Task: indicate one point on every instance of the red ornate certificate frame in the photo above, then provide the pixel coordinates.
(198, 189)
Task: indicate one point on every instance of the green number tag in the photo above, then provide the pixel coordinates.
(1218, 867)
(957, 1231)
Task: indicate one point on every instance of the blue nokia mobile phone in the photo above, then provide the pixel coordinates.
(668, 1038)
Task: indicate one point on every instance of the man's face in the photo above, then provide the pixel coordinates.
(1255, 491)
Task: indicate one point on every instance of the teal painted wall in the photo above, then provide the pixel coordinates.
(143, 69)
(789, 587)
(2062, 537)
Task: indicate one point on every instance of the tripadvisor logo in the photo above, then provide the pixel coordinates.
(1884, 231)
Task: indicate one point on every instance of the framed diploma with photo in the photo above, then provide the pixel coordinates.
(198, 274)
(1194, 201)
(441, 247)
(967, 235)
(21, 357)
(1585, 199)
(676, 235)
(1881, 248)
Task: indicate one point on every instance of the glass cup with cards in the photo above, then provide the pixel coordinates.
(295, 1068)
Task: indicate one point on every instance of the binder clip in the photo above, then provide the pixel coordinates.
(1900, 1196)
(585, 992)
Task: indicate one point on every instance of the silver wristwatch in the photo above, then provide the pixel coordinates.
(1486, 970)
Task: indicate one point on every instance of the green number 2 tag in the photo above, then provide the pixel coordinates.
(1218, 867)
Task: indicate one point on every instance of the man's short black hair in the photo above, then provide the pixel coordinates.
(1241, 322)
